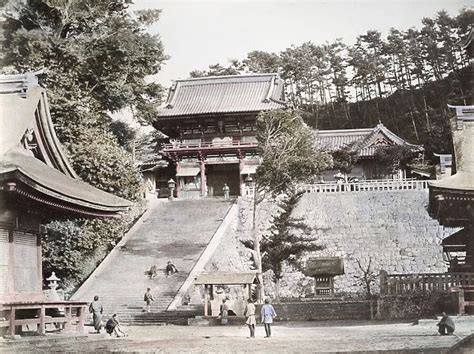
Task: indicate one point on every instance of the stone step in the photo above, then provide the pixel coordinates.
(177, 231)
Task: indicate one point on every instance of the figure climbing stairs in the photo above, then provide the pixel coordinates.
(178, 231)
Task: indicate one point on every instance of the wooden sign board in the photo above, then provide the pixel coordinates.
(324, 266)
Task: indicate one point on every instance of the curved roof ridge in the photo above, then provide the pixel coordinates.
(203, 78)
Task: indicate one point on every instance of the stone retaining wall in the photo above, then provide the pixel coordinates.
(392, 229)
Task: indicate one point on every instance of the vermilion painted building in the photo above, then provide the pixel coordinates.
(211, 123)
(37, 184)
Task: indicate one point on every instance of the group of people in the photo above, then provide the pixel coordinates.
(112, 325)
(446, 325)
(170, 269)
(267, 314)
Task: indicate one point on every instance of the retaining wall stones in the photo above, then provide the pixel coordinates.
(392, 229)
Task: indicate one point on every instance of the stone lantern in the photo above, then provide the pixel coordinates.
(171, 186)
(53, 281)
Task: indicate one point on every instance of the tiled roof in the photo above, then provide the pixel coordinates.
(38, 162)
(55, 185)
(364, 140)
(223, 94)
(226, 278)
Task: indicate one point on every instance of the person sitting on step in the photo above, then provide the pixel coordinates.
(113, 325)
(170, 269)
(153, 272)
(445, 325)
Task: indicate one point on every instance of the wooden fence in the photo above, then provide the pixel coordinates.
(368, 185)
(396, 284)
(69, 315)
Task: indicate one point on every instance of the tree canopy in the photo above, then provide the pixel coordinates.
(95, 56)
(403, 79)
(286, 146)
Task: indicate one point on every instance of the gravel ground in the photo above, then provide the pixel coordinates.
(294, 337)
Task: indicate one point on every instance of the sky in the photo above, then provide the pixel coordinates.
(196, 34)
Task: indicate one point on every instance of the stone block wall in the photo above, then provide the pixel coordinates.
(391, 229)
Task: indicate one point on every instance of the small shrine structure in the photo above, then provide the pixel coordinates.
(37, 185)
(211, 123)
(212, 280)
(365, 141)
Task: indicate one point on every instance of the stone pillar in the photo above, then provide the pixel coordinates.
(203, 179)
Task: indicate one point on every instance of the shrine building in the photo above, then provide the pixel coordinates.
(37, 185)
(211, 123)
(365, 142)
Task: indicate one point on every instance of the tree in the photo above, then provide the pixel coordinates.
(394, 157)
(345, 159)
(96, 55)
(288, 155)
(286, 145)
(289, 238)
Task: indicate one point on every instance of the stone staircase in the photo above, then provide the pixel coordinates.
(178, 231)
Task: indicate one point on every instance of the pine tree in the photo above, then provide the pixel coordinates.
(288, 239)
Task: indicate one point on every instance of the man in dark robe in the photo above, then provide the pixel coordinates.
(96, 309)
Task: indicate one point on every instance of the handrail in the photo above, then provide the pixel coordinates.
(395, 284)
(74, 314)
(367, 185)
(202, 145)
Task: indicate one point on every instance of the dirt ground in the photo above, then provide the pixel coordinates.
(292, 337)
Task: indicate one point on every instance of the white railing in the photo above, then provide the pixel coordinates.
(364, 186)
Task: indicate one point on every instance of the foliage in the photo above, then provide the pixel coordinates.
(345, 159)
(414, 306)
(394, 157)
(289, 237)
(403, 80)
(96, 56)
(99, 161)
(69, 244)
(286, 146)
(124, 134)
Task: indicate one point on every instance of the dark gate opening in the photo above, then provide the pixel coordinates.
(219, 174)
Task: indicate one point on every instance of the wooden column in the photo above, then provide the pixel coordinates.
(203, 179)
(42, 324)
(39, 265)
(241, 180)
(177, 179)
(68, 315)
(12, 321)
(250, 290)
(205, 300)
(81, 318)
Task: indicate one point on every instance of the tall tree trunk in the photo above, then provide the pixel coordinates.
(277, 289)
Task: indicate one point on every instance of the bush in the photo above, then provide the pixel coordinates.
(413, 306)
(73, 248)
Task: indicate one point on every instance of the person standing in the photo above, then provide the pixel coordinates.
(267, 313)
(96, 309)
(446, 325)
(224, 312)
(148, 298)
(226, 191)
(250, 314)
